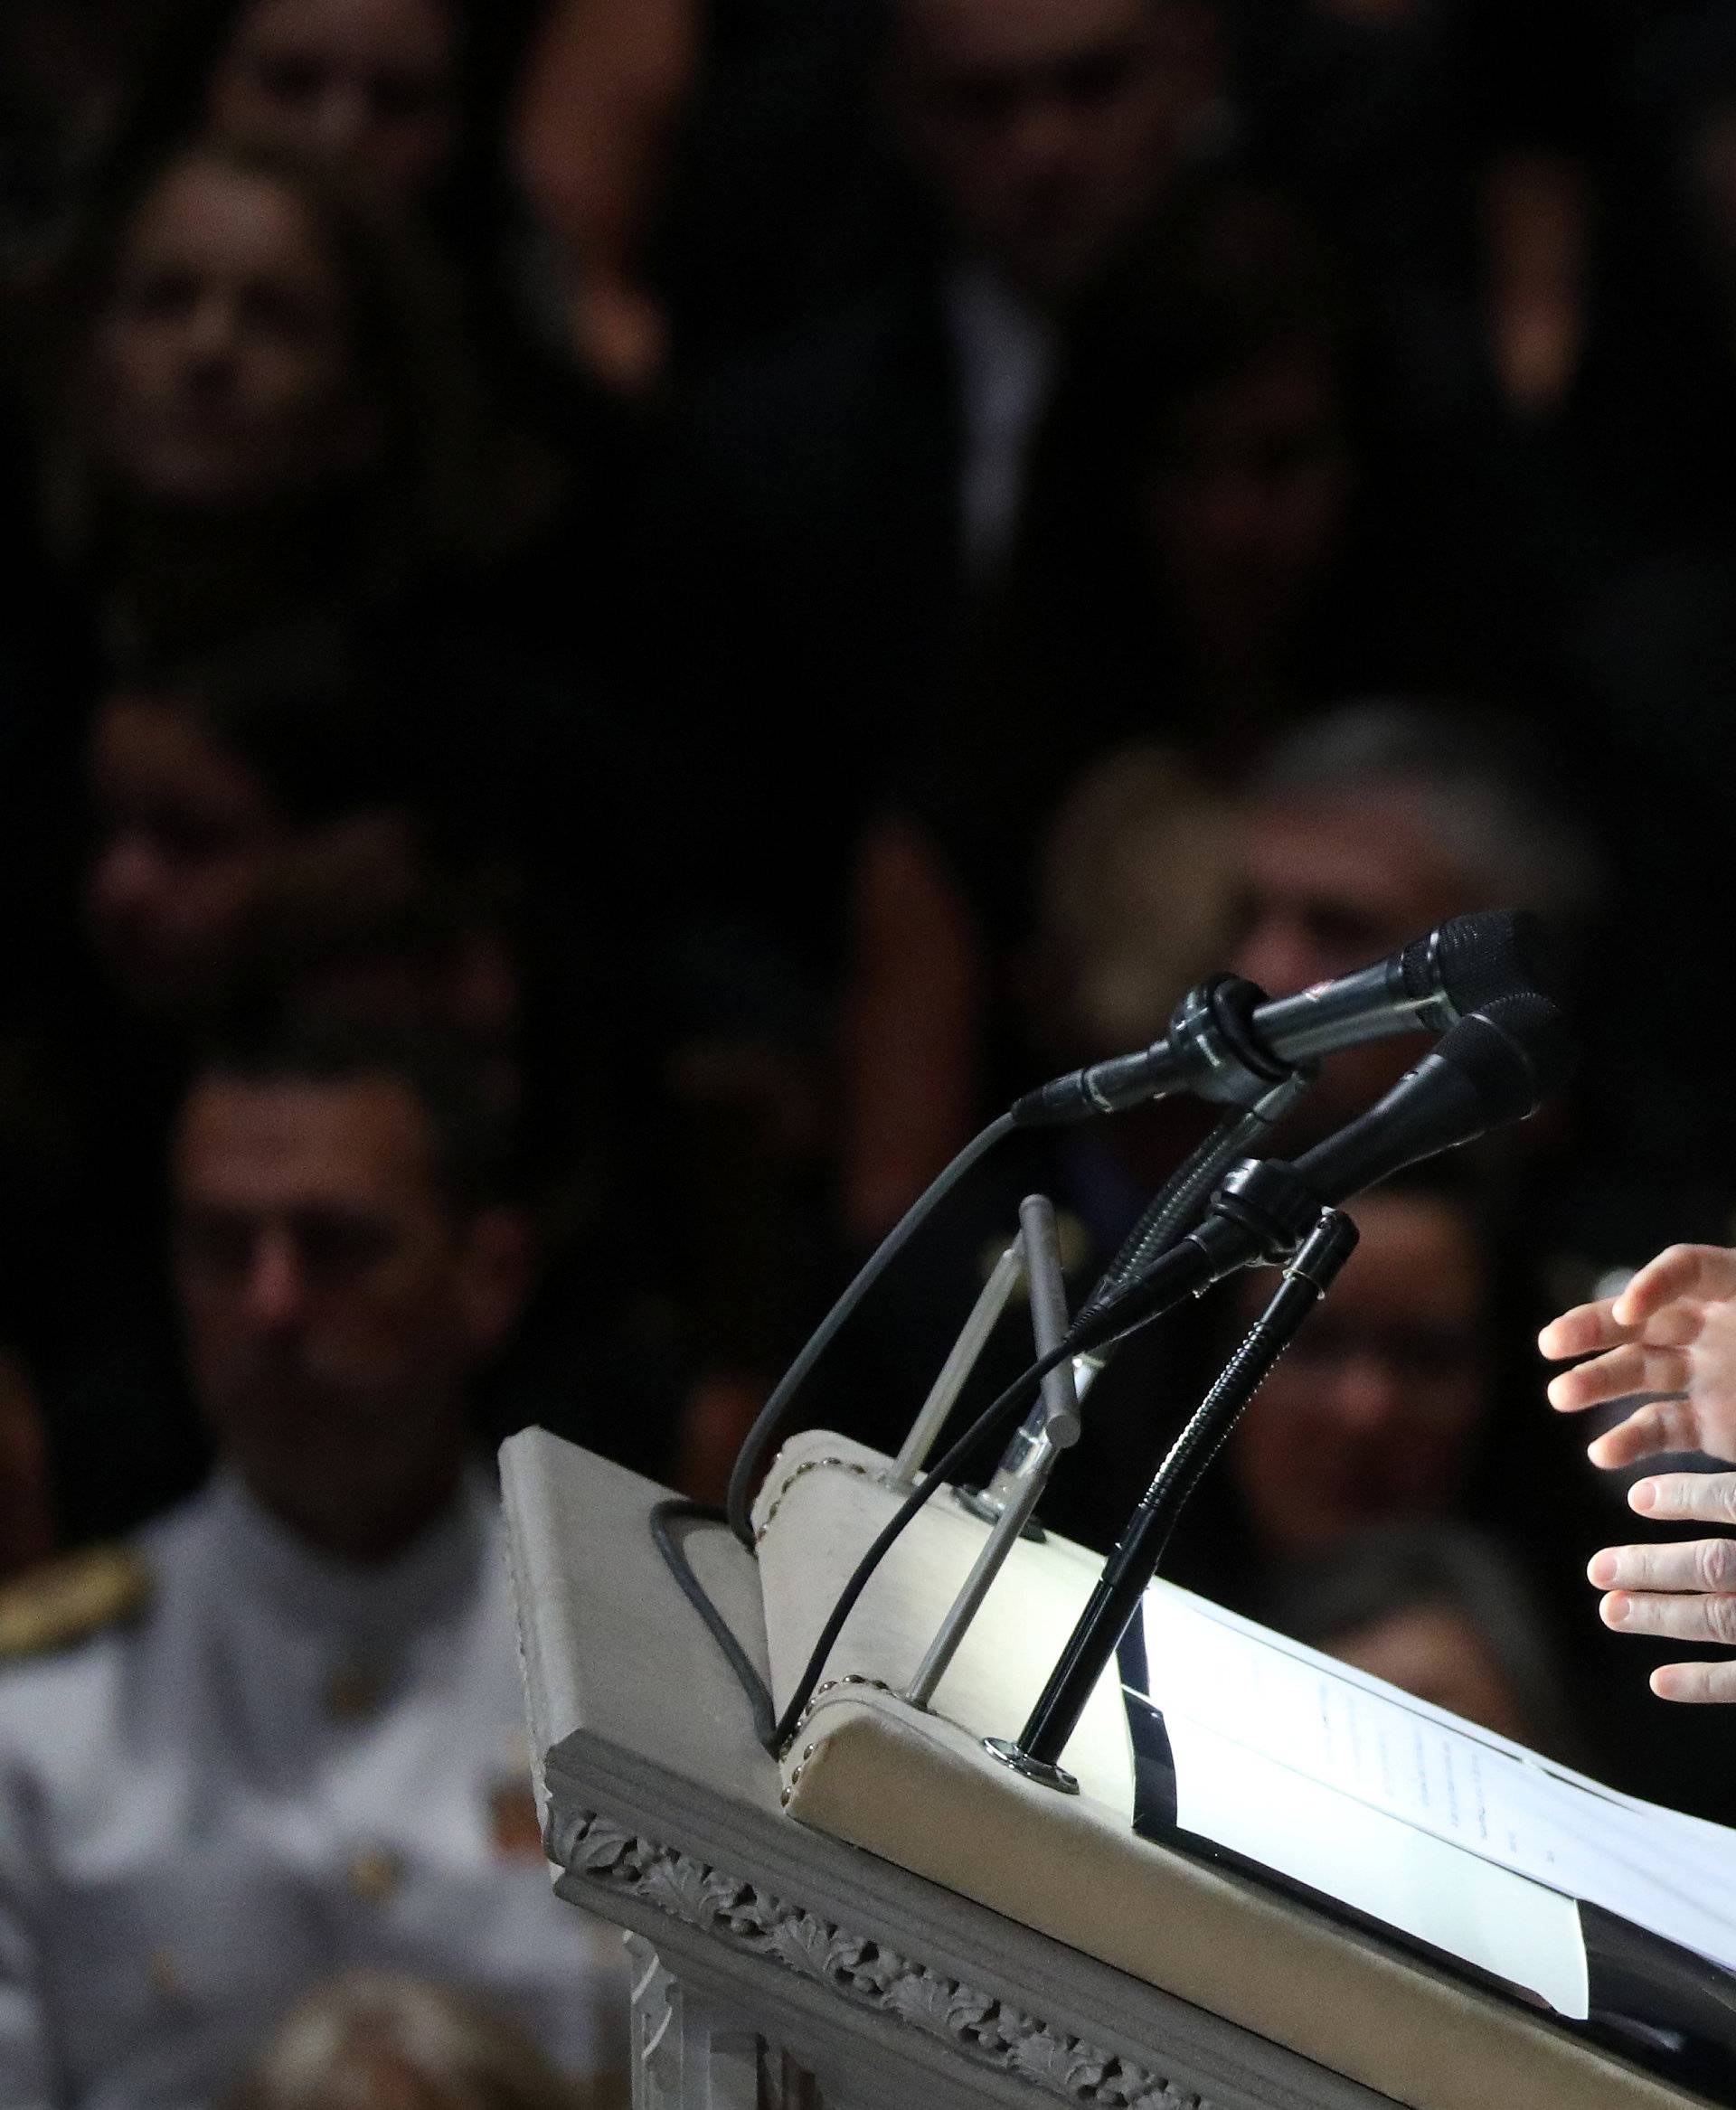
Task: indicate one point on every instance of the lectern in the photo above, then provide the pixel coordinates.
(889, 1920)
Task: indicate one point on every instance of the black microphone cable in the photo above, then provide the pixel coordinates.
(737, 1515)
(774, 1731)
(677, 1509)
(1491, 1068)
(770, 1422)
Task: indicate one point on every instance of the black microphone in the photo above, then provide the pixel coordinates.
(1229, 1042)
(1495, 1065)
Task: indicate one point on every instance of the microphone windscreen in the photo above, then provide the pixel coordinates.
(1474, 960)
(1514, 1052)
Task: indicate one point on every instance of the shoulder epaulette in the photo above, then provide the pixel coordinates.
(69, 1600)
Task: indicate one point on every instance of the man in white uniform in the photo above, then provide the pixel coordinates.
(278, 1734)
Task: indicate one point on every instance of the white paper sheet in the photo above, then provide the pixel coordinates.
(1379, 1865)
(1290, 1706)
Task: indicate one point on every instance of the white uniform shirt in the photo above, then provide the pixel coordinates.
(1005, 354)
(284, 1769)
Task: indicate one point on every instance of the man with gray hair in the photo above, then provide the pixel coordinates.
(1377, 822)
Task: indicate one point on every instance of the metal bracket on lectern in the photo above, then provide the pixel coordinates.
(1053, 1427)
(973, 1338)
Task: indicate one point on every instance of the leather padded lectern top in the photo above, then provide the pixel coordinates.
(916, 1788)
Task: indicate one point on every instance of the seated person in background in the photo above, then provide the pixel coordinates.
(1387, 816)
(1439, 1612)
(1377, 1412)
(372, 2040)
(234, 800)
(1357, 833)
(260, 400)
(1373, 824)
(235, 804)
(1131, 890)
(1383, 1425)
(845, 483)
(311, 830)
(280, 1731)
(407, 102)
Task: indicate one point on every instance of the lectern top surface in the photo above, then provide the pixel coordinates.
(919, 1788)
(1052, 1906)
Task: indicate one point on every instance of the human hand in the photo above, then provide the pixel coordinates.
(1673, 1329)
(1686, 1592)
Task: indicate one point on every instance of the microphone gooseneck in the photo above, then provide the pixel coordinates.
(1494, 1066)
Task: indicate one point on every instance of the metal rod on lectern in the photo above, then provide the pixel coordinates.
(1243, 1131)
(972, 1338)
(1041, 1246)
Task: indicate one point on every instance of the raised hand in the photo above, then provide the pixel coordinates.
(1686, 1592)
(1673, 1330)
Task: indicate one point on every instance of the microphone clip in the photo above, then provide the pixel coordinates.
(1213, 1049)
(1213, 1046)
(1268, 1202)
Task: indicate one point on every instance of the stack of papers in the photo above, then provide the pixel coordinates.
(1401, 1810)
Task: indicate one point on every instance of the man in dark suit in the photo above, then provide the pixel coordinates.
(849, 480)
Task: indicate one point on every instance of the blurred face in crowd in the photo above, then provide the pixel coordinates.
(1331, 882)
(334, 1297)
(221, 372)
(1370, 1416)
(465, 987)
(1245, 503)
(186, 840)
(197, 865)
(1049, 127)
(367, 84)
(1434, 1650)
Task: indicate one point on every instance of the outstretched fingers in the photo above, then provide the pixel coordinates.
(1702, 1564)
(1691, 1618)
(1701, 1498)
(1679, 1271)
(1659, 1425)
(1701, 1684)
(1636, 1366)
(1587, 1327)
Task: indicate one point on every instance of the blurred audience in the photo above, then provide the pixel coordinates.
(410, 99)
(1368, 826)
(1378, 1413)
(1439, 1612)
(301, 1687)
(316, 829)
(1133, 885)
(1132, 899)
(1376, 823)
(263, 407)
(1370, 1499)
(372, 86)
(230, 803)
(771, 572)
(846, 482)
(375, 2042)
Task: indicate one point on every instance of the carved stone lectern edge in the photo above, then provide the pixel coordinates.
(686, 1772)
(856, 1967)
